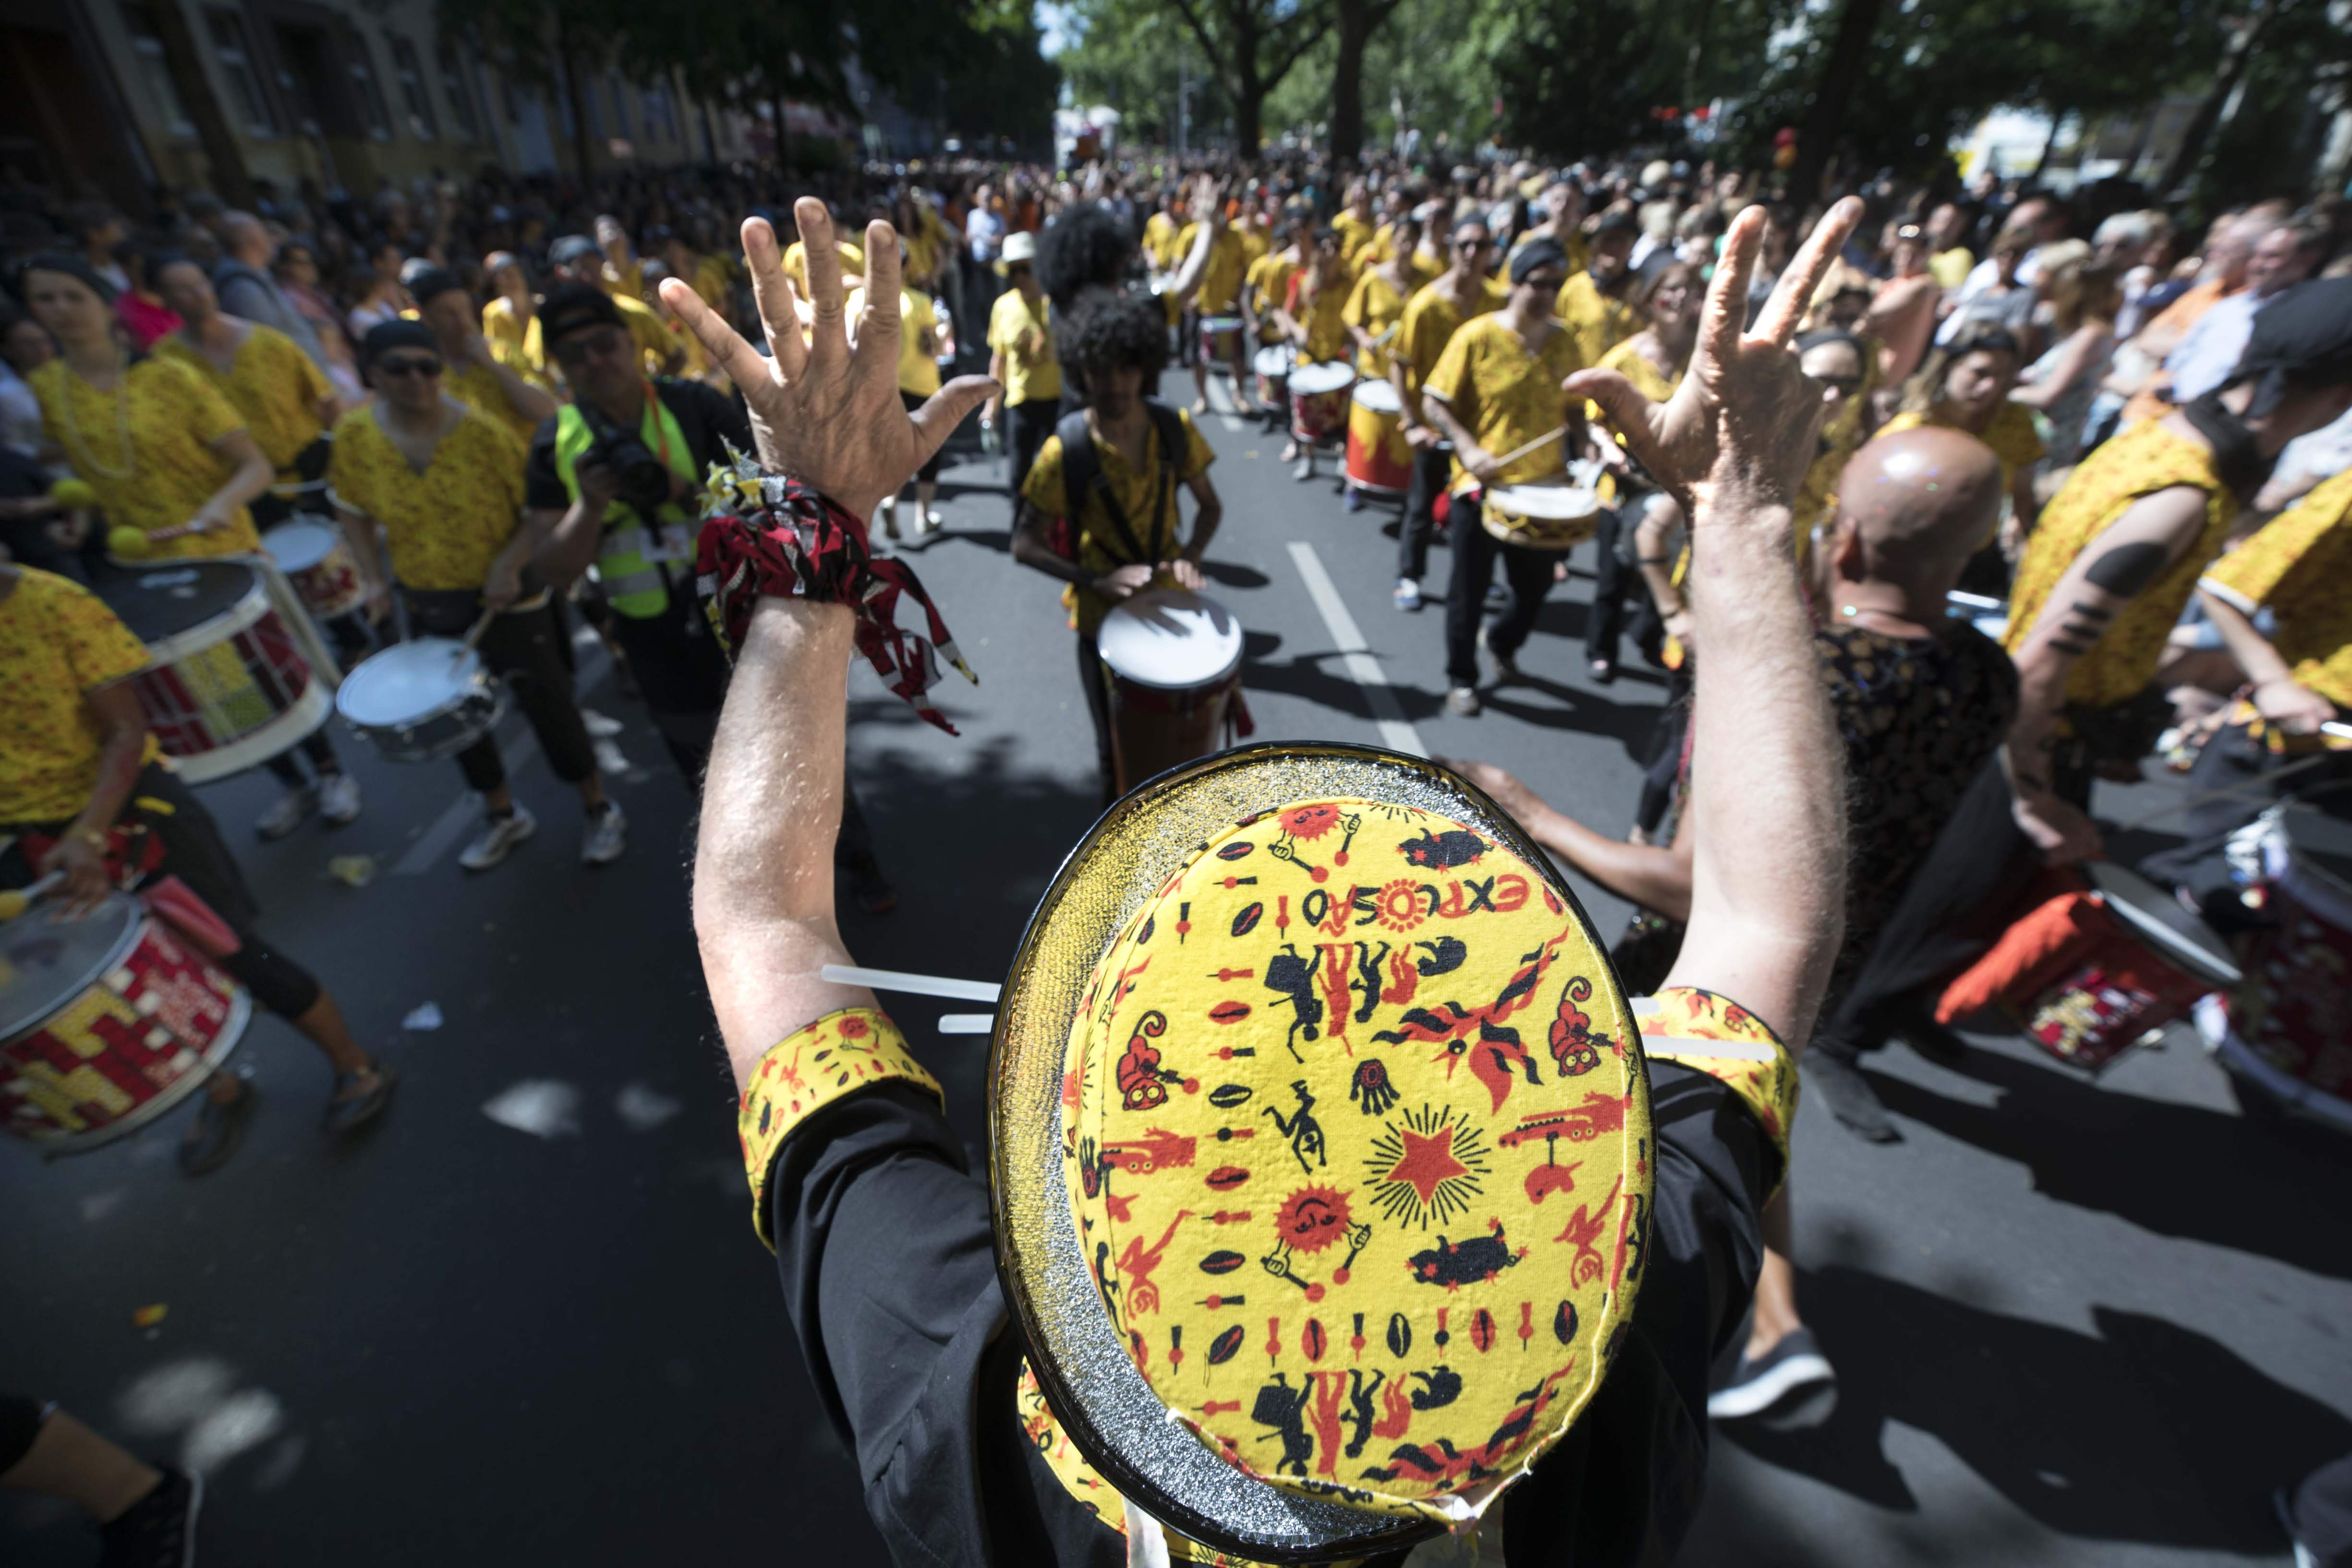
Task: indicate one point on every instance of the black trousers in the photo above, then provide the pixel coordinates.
(1615, 581)
(525, 648)
(1031, 423)
(20, 1426)
(1093, 682)
(1431, 467)
(1528, 572)
(682, 677)
(162, 813)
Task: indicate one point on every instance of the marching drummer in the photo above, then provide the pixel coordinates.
(1099, 509)
(84, 792)
(447, 484)
(1431, 318)
(1495, 392)
(1312, 317)
(169, 457)
(1219, 293)
(1376, 305)
(1022, 360)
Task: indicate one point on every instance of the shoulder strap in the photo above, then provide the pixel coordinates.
(1171, 428)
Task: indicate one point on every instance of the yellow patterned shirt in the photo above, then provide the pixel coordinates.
(271, 382)
(515, 344)
(1600, 321)
(1375, 306)
(1355, 233)
(1429, 323)
(817, 1064)
(2136, 463)
(57, 640)
(1506, 396)
(448, 524)
(478, 388)
(1322, 311)
(1099, 549)
(1159, 241)
(147, 448)
(2300, 564)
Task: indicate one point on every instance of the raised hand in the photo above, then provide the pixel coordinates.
(821, 412)
(1744, 397)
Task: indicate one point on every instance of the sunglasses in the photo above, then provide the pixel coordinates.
(409, 366)
(1473, 244)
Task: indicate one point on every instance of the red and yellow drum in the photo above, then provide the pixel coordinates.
(227, 686)
(2286, 1032)
(106, 1023)
(1221, 341)
(1319, 399)
(2137, 961)
(1380, 460)
(318, 560)
(1272, 366)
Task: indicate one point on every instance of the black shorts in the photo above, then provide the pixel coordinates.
(929, 472)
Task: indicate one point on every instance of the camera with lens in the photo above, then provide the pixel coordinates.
(640, 479)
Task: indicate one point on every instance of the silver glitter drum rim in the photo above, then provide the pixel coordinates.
(1090, 1379)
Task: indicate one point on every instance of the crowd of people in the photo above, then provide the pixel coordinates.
(2124, 434)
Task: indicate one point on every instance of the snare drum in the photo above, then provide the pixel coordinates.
(1221, 341)
(2286, 1031)
(1380, 460)
(1548, 514)
(106, 1023)
(1272, 365)
(422, 700)
(1173, 660)
(318, 560)
(1319, 399)
(227, 684)
(2140, 961)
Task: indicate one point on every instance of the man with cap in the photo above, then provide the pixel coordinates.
(1495, 394)
(444, 481)
(1431, 317)
(1023, 361)
(576, 259)
(1378, 1236)
(473, 374)
(1592, 303)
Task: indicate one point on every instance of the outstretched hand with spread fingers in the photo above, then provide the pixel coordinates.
(823, 413)
(1746, 415)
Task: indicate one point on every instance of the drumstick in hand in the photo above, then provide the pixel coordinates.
(475, 636)
(15, 902)
(1544, 440)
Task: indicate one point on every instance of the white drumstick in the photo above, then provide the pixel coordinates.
(1546, 441)
(967, 1023)
(912, 984)
(2337, 731)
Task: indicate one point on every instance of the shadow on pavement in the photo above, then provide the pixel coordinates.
(2175, 1170)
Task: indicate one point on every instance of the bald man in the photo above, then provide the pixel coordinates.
(1921, 701)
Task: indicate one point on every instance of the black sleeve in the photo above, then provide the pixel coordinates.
(709, 419)
(542, 486)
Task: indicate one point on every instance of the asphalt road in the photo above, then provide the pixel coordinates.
(527, 1321)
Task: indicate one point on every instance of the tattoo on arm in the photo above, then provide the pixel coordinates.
(2127, 569)
(2073, 650)
(2092, 612)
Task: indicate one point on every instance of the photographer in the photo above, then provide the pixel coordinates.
(611, 484)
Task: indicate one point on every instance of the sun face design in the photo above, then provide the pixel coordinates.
(1312, 1218)
(1310, 822)
(1426, 1167)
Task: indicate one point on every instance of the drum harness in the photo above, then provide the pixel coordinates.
(1082, 477)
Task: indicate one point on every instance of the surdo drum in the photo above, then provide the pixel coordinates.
(1172, 660)
(1319, 399)
(1380, 460)
(1221, 341)
(2286, 1032)
(2139, 962)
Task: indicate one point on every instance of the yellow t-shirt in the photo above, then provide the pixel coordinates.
(1099, 550)
(1950, 269)
(1431, 321)
(795, 264)
(919, 373)
(1375, 305)
(1267, 285)
(57, 640)
(1323, 312)
(1355, 233)
(1256, 241)
(654, 341)
(1028, 377)
(478, 388)
(448, 524)
(1221, 278)
(146, 448)
(1648, 380)
(272, 383)
(2300, 564)
(627, 281)
(1506, 396)
(2139, 462)
(1599, 320)
(1159, 241)
(516, 343)
(2011, 435)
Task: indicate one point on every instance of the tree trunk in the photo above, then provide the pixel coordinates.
(2050, 144)
(1849, 51)
(2186, 158)
(583, 143)
(1249, 111)
(1355, 25)
(181, 57)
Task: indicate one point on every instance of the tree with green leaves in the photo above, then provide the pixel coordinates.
(1251, 45)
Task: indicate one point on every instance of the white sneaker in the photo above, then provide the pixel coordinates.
(607, 836)
(1408, 594)
(1463, 699)
(499, 836)
(931, 523)
(287, 816)
(339, 798)
(600, 725)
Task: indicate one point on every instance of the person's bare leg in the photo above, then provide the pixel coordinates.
(591, 793)
(498, 801)
(927, 493)
(70, 1461)
(1776, 1282)
(1200, 387)
(323, 1024)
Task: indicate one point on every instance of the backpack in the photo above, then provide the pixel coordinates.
(1082, 477)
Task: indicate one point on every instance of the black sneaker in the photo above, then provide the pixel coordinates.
(220, 1128)
(159, 1531)
(1849, 1097)
(1790, 1386)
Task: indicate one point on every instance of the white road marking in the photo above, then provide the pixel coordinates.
(1222, 404)
(1363, 665)
(515, 754)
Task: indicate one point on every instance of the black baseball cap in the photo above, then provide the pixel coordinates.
(569, 307)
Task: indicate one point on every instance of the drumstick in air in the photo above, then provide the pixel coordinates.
(912, 984)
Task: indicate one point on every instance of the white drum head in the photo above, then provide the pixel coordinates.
(1560, 501)
(1170, 639)
(1379, 396)
(46, 963)
(1330, 375)
(1272, 361)
(298, 546)
(408, 681)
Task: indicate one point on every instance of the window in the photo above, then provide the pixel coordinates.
(235, 61)
(378, 116)
(453, 88)
(410, 73)
(661, 125)
(156, 71)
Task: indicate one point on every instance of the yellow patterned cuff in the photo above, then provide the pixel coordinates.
(829, 1059)
(1715, 1035)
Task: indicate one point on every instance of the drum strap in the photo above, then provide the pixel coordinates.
(1082, 477)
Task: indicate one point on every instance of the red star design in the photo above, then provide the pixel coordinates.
(1427, 1161)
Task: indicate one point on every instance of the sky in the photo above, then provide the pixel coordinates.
(1059, 25)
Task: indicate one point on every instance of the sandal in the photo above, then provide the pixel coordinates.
(347, 1113)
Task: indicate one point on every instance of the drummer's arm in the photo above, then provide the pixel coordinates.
(2278, 696)
(521, 396)
(1030, 549)
(121, 725)
(359, 532)
(1656, 877)
(252, 477)
(1438, 413)
(1207, 513)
